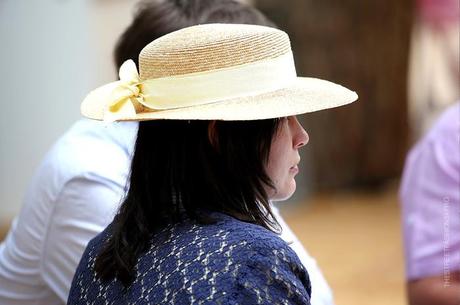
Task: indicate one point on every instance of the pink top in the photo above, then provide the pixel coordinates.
(430, 198)
(439, 11)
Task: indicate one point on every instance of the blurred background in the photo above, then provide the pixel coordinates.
(398, 55)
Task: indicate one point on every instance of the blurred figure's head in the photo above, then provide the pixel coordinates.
(155, 18)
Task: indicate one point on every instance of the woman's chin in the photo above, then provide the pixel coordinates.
(284, 193)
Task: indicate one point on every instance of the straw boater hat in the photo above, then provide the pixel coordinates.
(214, 72)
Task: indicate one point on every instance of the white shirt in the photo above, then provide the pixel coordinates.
(72, 197)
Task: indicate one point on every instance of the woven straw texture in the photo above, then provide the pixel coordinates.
(203, 48)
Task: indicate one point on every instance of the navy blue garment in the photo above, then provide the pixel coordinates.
(229, 262)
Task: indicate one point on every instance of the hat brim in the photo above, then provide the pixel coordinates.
(303, 96)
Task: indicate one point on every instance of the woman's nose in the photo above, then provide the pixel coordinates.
(301, 136)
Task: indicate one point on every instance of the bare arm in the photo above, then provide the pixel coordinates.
(436, 290)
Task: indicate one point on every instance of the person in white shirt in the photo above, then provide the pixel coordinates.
(78, 187)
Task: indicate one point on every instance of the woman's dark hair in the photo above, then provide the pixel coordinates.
(189, 168)
(155, 18)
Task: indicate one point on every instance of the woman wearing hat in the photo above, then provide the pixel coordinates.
(218, 140)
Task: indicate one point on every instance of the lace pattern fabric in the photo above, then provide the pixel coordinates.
(229, 262)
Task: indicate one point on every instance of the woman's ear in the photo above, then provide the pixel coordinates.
(212, 135)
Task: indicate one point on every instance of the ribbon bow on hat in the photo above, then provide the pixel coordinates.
(122, 98)
(126, 97)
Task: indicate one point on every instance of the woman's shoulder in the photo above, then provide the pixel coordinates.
(243, 258)
(227, 238)
(225, 231)
(255, 238)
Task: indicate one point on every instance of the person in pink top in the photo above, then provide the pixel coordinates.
(430, 198)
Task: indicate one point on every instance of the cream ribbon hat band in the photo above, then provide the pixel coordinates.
(213, 80)
(202, 87)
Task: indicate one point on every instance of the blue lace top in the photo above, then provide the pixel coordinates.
(229, 262)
